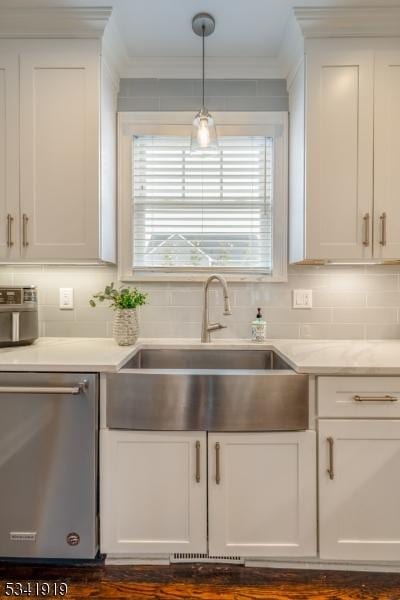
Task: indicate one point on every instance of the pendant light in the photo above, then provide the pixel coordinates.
(204, 134)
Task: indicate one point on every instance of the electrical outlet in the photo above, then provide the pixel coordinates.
(66, 298)
(302, 298)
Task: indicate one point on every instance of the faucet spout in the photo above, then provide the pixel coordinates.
(206, 326)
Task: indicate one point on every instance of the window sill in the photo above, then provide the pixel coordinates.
(171, 277)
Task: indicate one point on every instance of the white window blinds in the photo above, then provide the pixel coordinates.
(211, 209)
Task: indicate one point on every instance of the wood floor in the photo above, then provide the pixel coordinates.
(204, 582)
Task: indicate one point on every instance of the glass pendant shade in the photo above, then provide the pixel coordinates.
(204, 134)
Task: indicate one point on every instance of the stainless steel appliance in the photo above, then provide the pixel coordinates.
(18, 315)
(48, 465)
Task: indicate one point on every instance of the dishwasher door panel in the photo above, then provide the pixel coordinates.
(48, 465)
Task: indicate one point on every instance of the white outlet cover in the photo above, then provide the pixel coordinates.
(66, 298)
(302, 298)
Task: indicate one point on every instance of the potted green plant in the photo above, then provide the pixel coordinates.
(124, 301)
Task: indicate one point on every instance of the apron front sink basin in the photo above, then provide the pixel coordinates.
(207, 390)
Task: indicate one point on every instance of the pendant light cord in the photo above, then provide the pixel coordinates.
(204, 84)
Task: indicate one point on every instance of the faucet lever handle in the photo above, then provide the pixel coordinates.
(215, 326)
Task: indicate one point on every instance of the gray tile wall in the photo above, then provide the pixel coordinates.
(185, 94)
(348, 303)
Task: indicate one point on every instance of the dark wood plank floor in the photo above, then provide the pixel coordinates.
(205, 582)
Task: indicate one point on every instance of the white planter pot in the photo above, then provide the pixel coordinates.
(126, 326)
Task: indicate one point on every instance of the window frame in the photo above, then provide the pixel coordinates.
(271, 124)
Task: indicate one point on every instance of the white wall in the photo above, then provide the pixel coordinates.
(349, 302)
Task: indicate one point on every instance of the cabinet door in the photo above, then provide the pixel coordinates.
(262, 494)
(359, 500)
(339, 188)
(59, 87)
(153, 492)
(386, 156)
(9, 153)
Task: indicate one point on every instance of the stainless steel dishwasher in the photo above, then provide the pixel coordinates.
(48, 465)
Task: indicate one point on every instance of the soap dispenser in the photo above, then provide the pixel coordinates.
(258, 328)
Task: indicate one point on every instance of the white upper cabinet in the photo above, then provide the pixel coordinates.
(339, 154)
(9, 154)
(51, 111)
(344, 193)
(386, 157)
(60, 111)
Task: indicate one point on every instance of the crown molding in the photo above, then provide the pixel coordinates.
(114, 49)
(291, 51)
(190, 67)
(369, 21)
(54, 22)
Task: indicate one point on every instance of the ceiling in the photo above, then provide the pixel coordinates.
(153, 38)
(162, 28)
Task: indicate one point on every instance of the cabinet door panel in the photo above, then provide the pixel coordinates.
(359, 507)
(265, 503)
(150, 498)
(386, 156)
(60, 150)
(339, 154)
(9, 153)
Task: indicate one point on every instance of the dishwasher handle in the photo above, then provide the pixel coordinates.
(14, 389)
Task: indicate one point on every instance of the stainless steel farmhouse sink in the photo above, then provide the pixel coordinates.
(208, 390)
(208, 358)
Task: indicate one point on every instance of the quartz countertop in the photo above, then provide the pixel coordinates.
(66, 354)
(317, 357)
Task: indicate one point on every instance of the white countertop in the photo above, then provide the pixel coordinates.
(319, 357)
(66, 354)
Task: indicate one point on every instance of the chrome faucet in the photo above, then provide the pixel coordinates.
(207, 327)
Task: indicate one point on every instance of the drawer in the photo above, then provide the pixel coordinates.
(358, 397)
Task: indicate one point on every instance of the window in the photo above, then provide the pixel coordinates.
(207, 209)
(183, 214)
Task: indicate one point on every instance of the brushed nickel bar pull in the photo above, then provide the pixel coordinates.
(330, 470)
(25, 220)
(366, 230)
(9, 231)
(217, 464)
(198, 461)
(386, 398)
(382, 219)
(42, 390)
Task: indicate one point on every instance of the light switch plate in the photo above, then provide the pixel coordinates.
(66, 298)
(302, 298)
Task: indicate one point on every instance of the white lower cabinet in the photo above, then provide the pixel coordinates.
(153, 492)
(262, 494)
(359, 489)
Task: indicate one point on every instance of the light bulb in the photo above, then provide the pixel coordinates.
(203, 133)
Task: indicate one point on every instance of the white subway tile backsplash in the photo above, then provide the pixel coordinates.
(329, 331)
(376, 331)
(348, 303)
(367, 315)
(383, 299)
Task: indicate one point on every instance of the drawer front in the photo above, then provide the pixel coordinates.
(359, 397)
